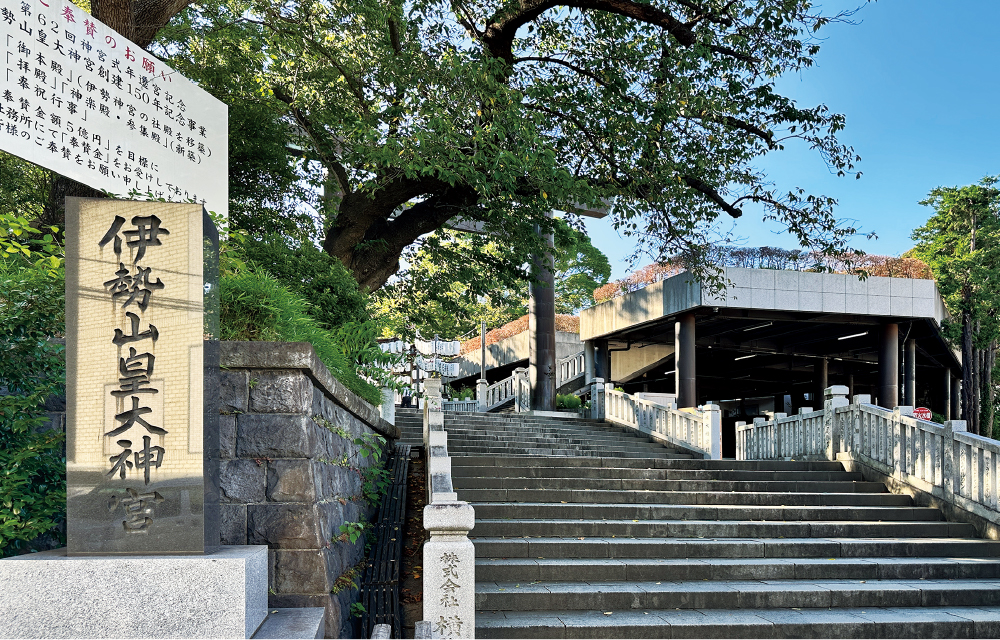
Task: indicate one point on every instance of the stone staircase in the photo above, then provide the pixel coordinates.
(584, 531)
(411, 426)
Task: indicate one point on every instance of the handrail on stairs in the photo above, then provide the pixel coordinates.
(517, 387)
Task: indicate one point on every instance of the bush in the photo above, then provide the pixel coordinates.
(32, 370)
(255, 306)
(570, 402)
(314, 275)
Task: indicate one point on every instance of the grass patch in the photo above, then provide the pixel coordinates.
(254, 306)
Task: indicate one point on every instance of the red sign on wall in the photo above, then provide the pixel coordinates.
(922, 413)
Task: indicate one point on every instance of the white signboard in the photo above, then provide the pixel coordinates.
(81, 100)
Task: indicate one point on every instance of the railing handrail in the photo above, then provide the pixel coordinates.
(943, 460)
(697, 430)
(449, 557)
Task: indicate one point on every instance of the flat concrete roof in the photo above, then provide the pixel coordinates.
(798, 292)
(769, 328)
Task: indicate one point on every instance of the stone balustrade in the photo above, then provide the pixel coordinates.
(941, 465)
(697, 430)
(449, 560)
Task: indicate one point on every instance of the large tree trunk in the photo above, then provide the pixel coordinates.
(989, 359)
(968, 369)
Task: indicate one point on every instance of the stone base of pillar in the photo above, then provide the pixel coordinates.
(216, 595)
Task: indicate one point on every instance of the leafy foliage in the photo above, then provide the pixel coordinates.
(313, 275)
(961, 243)
(408, 115)
(445, 291)
(255, 306)
(568, 401)
(32, 370)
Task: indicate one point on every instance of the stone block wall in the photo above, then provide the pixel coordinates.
(284, 480)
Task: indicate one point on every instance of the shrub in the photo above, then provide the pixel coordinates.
(314, 275)
(32, 370)
(255, 306)
(569, 401)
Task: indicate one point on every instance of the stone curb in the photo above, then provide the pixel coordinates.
(302, 356)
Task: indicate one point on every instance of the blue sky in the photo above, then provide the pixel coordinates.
(918, 81)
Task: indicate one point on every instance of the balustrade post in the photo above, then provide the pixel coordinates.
(948, 475)
(711, 423)
(741, 445)
(763, 444)
(433, 413)
(834, 397)
(449, 570)
(388, 408)
(521, 403)
(597, 399)
(899, 440)
(482, 387)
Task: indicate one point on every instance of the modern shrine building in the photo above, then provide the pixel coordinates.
(773, 340)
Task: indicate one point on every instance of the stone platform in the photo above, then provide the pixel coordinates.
(217, 595)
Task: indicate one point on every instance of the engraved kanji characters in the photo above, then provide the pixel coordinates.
(138, 508)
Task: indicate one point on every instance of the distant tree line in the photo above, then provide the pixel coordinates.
(860, 264)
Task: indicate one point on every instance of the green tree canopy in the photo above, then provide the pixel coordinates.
(406, 115)
(443, 292)
(961, 243)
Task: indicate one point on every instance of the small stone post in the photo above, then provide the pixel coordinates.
(450, 570)
(711, 417)
(481, 390)
(522, 402)
(597, 399)
(948, 475)
(898, 441)
(834, 397)
(388, 408)
(433, 413)
(741, 441)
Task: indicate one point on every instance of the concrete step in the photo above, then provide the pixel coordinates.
(502, 462)
(529, 440)
(735, 594)
(460, 450)
(574, 436)
(721, 547)
(547, 510)
(868, 622)
(613, 484)
(527, 570)
(539, 427)
(718, 528)
(592, 496)
(652, 474)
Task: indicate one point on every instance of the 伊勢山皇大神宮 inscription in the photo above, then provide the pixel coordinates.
(141, 442)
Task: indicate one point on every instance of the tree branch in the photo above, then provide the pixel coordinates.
(742, 125)
(703, 187)
(150, 16)
(568, 65)
(326, 156)
(502, 27)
